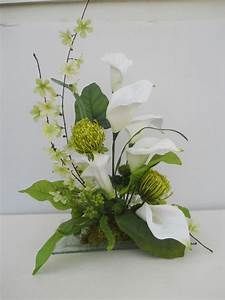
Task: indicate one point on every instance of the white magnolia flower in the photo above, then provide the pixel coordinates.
(145, 148)
(165, 222)
(125, 102)
(143, 121)
(96, 170)
(119, 64)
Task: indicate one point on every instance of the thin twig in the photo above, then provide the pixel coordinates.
(197, 240)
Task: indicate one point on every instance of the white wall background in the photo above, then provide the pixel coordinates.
(179, 45)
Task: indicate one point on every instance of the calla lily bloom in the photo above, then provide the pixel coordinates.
(119, 64)
(145, 148)
(143, 121)
(125, 102)
(96, 170)
(165, 222)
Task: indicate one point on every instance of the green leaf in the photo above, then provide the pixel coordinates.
(184, 210)
(104, 226)
(41, 190)
(46, 250)
(66, 228)
(169, 158)
(92, 104)
(138, 231)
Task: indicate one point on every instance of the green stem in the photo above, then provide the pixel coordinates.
(113, 152)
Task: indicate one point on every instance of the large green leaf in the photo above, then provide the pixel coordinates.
(104, 226)
(92, 104)
(139, 232)
(41, 190)
(46, 250)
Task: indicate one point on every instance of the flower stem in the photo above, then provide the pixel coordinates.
(113, 152)
(197, 240)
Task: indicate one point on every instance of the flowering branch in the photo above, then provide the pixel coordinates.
(65, 77)
(78, 178)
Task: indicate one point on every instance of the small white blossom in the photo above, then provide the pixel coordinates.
(83, 27)
(52, 130)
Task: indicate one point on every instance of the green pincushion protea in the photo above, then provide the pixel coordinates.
(154, 188)
(87, 137)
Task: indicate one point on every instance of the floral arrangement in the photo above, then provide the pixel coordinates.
(129, 202)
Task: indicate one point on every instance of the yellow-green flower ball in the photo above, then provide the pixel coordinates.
(154, 187)
(87, 137)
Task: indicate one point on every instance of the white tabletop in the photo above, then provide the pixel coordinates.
(126, 274)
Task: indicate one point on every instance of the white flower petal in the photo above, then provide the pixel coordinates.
(125, 101)
(119, 64)
(165, 221)
(145, 148)
(97, 170)
(141, 122)
(118, 61)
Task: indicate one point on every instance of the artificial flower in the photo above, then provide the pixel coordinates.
(125, 102)
(66, 38)
(145, 148)
(142, 121)
(165, 222)
(60, 169)
(96, 170)
(193, 227)
(87, 137)
(71, 68)
(119, 65)
(49, 108)
(83, 27)
(44, 88)
(58, 155)
(52, 130)
(154, 187)
(58, 197)
(35, 112)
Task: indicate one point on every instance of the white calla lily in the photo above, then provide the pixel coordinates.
(125, 102)
(165, 222)
(145, 148)
(143, 121)
(96, 170)
(119, 65)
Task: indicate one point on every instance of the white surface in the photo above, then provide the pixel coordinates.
(179, 45)
(118, 275)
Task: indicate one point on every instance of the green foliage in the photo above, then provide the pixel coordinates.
(168, 158)
(184, 210)
(88, 205)
(139, 232)
(104, 226)
(92, 104)
(46, 250)
(44, 190)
